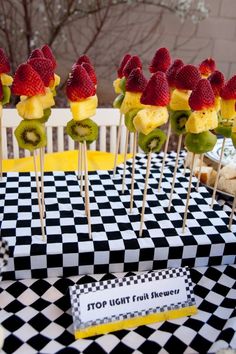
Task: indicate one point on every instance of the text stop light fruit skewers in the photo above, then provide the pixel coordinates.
(5, 94)
(81, 93)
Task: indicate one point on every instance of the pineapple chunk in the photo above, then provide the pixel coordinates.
(85, 108)
(116, 85)
(217, 103)
(131, 101)
(179, 100)
(30, 108)
(234, 126)
(150, 118)
(6, 80)
(47, 100)
(201, 121)
(228, 108)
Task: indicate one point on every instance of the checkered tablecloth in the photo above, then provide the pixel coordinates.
(36, 316)
(116, 246)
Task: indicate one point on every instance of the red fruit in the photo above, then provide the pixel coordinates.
(136, 81)
(157, 91)
(83, 59)
(4, 62)
(217, 81)
(172, 72)
(187, 77)
(228, 92)
(207, 66)
(36, 53)
(79, 85)
(47, 52)
(161, 61)
(27, 82)
(90, 70)
(133, 63)
(44, 68)
(202, 96)
(123, 62)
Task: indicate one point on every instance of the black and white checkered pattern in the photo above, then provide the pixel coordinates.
(4, 254)
(76, 290)
(36, 316)
(116, 246)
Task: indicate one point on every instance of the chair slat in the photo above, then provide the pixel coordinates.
(113, 139)
(15, 146)
(102, 138)
(71, 143)
(49, 139)
(60, 138)
(4, 143)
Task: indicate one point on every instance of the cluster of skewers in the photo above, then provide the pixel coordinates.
(195, 101)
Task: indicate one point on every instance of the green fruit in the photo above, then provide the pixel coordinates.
(200, 143)
(123, 84)
(224, 129)
(118, 100)
(31, 134)
(6, 94)
(153, 141)
(129, 120)
(233, 137)
(46, 115)
(178, 120)
(82, 130)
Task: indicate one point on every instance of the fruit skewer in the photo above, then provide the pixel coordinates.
(5, 94)
(125, 160)
(203, 118)
(81, 93)
(199, 172)
(156, 97)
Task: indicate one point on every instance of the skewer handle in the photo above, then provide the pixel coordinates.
(218, 172)
(200, 171)
(145, 193)
(117, 145)
(125, 159)
(41, 154)
(81, 167)
(188, 194)
(232, 213)
(133, 171)
(1, 151)
(175, 170)
(87, 190)
(164, 157)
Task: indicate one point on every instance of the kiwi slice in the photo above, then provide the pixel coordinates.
(200, 143)
(129, 117)
(82, 130)
(6, 94)
(178, 120)
(31, 134)
(153, 141)
(118, 100)
(123, 84)
(46, 115)
(233, 137)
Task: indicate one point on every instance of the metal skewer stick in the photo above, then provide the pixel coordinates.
(175, 170)
(145, 193)
(117, 145)
(188, 194)
(164, 156)
(39, 197)
(218, 172)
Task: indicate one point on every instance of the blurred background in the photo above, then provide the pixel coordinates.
(106, 29)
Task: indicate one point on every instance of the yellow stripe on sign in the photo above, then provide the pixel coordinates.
(135, 322)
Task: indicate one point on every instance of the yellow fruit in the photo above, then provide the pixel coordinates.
(179, 100)
(85, 108)
(228, 109)
(234, 126)
(217, 103)
(47, 100)
(201, 121)
(116, 85)
(6, 80)
(131, 101)
(30, 108)
(150, 118)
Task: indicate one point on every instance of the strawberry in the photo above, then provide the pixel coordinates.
(136, 81)
(44, 68)
(90, 70)
(202, 96)
(79, 85)
(27, 82)
(83, 59)
(207, 66)
(187, 77)
(216, 80)
(133, 63)
(172, 72)
(47, 52)
(123, 62)
(228, 91)
(157, 91)
(4, 62)
(36, 53)
(161, 61)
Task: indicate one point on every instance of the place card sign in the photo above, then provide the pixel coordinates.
(111, 305)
